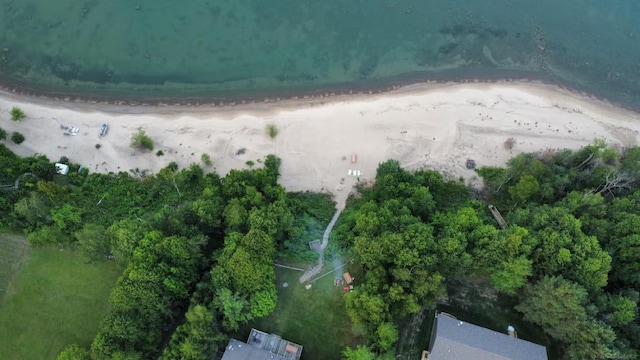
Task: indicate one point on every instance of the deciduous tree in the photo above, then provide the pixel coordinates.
(73, 352)
(359, 353)
(196, 339)
(234, 308)
(557, 305)
(92, 242)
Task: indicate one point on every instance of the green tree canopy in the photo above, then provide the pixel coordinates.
(562, 248)
(73, 352)
(196, 339)
(557, 305)
(91, 241)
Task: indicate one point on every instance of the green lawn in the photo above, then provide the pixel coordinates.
(314, 318)
(13, 251)
(54, 299)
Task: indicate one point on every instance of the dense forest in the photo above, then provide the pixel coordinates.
(197, 250)
(569, 251)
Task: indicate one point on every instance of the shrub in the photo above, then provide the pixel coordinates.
(98, 146)
(44, 170)
(141, 140)
(17, 114)
(46, 236)
(509, 143)
(206, 159)
(173, 166)
(160, 153)
(272, 131)
(17, 138)
(250, 163)
(3, 134)
(64, 160)
(609, 156)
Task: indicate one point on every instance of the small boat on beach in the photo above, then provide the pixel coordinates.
(104, 128)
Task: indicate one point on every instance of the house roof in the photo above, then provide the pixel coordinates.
(237, 350)
(262, 346)
(459, 340)
(274, 344)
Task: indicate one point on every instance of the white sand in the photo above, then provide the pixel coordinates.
(421, 126)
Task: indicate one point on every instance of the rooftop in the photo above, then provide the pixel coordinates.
(459, 340)
(262, 346)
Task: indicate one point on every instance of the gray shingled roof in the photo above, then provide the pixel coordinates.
(237, 350)
(459, 340)
(262, 346)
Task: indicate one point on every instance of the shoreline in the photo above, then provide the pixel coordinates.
(429, 125)
(267, 105)
(279, 97)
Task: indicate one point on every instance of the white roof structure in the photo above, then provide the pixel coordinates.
(62, 169)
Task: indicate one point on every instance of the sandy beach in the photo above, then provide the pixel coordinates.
(422, 126)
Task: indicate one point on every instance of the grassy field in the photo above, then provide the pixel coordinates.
(54, 299)
(314, 318)
(13, 251)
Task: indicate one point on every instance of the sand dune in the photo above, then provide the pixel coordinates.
(421, 126)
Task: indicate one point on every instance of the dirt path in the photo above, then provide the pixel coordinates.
(325, 241)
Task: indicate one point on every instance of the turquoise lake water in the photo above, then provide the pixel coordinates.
(240, 48)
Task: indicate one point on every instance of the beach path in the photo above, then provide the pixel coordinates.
(315, 270)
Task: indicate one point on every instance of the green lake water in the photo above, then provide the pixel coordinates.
(244, 48)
